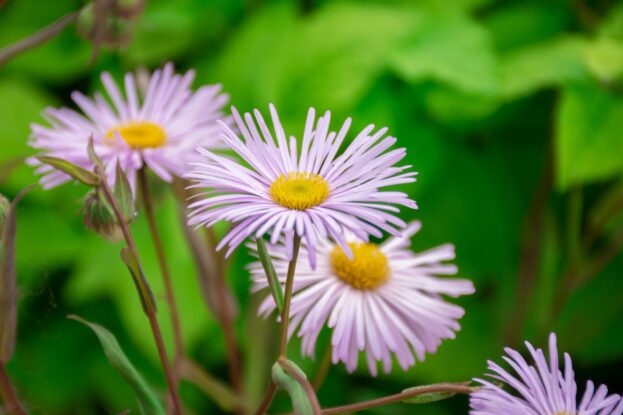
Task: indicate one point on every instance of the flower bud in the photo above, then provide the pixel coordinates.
(98, 216)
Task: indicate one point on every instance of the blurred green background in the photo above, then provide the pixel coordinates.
(511, 111)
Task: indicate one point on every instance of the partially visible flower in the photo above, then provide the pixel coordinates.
(540, 388)
(160, 130)
(386, 300)
(316, 193)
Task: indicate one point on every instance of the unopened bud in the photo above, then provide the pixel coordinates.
(98, 216)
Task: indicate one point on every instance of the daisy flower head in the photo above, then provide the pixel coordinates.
(386, 300)
(312, 191)
(160, 128)
(540, 388)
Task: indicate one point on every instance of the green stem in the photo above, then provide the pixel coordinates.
(37, 38)
(151, 314)
(267, 399)
(302, 380)
(287, 299)
(164, 270)
(355, 407)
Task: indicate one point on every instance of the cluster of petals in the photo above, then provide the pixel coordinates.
(184, 119)
(354, 178)
(406, 315)
(541, 388)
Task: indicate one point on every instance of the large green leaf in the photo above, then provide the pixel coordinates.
(588, 135)
(547, 64)
(149, 404)
(448, 47)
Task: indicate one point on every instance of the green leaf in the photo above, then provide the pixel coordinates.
(123, 194)
(77, 172)
(147, 296)
(449, 47)
(588, 139)
(8, 283)
(542, 65)
(271, 275)
(93, 155)
(604, 58)
(427, 397)
(292, 379)
(118, 360)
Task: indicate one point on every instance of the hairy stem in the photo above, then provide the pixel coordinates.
(355, 407)
(13, 405)
(153, 322)
(36, 38)
(287, 299)
(164, 270)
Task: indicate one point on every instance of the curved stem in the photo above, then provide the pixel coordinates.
(164, 270)
(287, 299)
(10, 397)
(151, 315)
(302, 380)
(37, 38)
(267, 399)
(355, 407)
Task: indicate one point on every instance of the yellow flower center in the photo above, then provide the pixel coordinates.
(299, 190)
(369, 268)
(139, 134)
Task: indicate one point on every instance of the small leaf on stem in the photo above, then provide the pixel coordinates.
(123, 194)
(76, 172)
(94, 157)
(147, 296)
(271, 275)
(148, 402)
(429, 397)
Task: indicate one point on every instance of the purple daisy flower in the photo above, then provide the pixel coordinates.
(315, 193)
(540, 389)
(386, 300)
(160, 130)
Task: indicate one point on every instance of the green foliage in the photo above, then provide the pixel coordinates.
(149, 404)
(485, 95)
(588, 140)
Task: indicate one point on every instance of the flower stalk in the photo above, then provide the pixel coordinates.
(164, 270)
(287, 298)
(144, 292)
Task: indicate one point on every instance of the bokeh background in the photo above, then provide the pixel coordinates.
(511, 111)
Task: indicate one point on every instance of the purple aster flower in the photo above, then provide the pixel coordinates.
(161, 129)
(312, 190)
(385, 300)
(540, 389)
